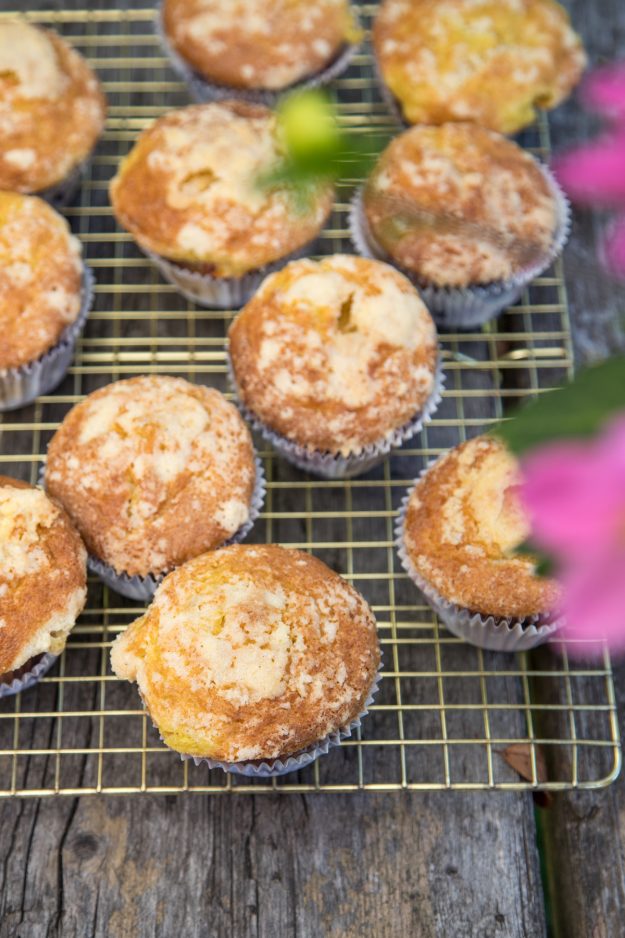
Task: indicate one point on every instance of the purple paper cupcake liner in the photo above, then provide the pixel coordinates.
(220, 292)
(299, 760)
(142, 588)
(496, 633)
(202, 90)
(20, 386)
(30, 678)
(468, 307)
(332, 465)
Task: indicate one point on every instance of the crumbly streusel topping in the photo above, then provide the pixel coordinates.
(52, 109)
(463, 523)
(494, 62)
(250, 653)
(40, 278)
(336, 353)
(190, 190)
(256, 44)
(153, 470)
(484, 209)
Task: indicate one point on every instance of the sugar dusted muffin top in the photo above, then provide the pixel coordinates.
(463, 523)
(52, 109)
(251, 653)
(42, 575)
(258, 44)
(494, 62)
(334, 354)
(478, 208)
(153, 470)
(189, 190)
(40, 278)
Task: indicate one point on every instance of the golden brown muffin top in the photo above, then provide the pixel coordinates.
(52, 109)
(490, 61)
(477, 208)
(334, 354)
(152, 470)
(463, 523)
(42, 575)
(251, 653)
(40, 278)
(189, 190)
(258, 44)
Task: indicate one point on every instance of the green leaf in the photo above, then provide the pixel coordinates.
(578, 409)
(544, 565)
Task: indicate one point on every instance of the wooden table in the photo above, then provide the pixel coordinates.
(450, 865)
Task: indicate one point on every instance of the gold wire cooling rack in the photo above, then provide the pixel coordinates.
(446, 711)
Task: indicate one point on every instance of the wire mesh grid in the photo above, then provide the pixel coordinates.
(446, 711)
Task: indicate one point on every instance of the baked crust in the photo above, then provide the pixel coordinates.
(486, 208)
(251, 653)
(494, 62)
(153, 471)
(42, 575)
(189, 191)
(463, 523)
(334, 354)
(254, 44)
(40, 278)
(52, 108)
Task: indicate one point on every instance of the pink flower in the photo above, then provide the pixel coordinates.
(604, 91)
(594, 174)
(574, 493)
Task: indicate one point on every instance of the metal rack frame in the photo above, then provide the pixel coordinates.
(446, 710)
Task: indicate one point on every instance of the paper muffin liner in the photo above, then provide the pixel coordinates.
(29, 678)
(496, 633)
(202, 90)
(467, 307)
(272, 768)
(20, 386)
(61, 193)
(142, 588)
(220, 292)
(333, 465)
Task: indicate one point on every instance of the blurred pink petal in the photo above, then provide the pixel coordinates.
(613, 248)
(595, 172)
(604, 91)
(574, 493)
(594, 604)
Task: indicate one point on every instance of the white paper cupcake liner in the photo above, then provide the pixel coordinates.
(496, 633)
(30, 678)
(299, 760)
(202, 90)
(468, 307)
(142, 588)
(220, 292)
(61, 193)
(332, 465)
(20, 386)
(388, 97)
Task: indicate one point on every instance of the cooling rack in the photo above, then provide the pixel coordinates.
(446, 711)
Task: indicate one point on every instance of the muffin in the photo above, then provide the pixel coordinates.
(457, 534)
(153, 471)
(52, 111)
(42, 583)
(252, 655)
(45, 294)
(493, 62)
(468, 215)
(256, 49)
(189, 192)
(335, 361)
